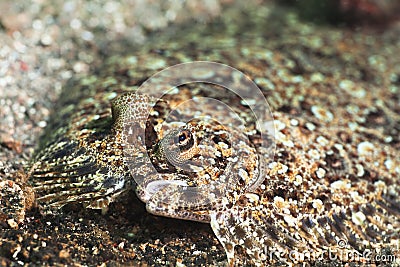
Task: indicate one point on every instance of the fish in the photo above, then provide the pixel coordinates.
(327, 187)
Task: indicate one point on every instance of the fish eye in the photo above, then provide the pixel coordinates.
(183, 136)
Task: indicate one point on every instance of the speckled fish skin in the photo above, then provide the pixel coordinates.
(336, 167)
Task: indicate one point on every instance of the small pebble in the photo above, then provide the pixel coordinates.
(12, 202)
(365, 148)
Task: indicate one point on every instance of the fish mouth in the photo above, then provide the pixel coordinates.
(154, 187)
